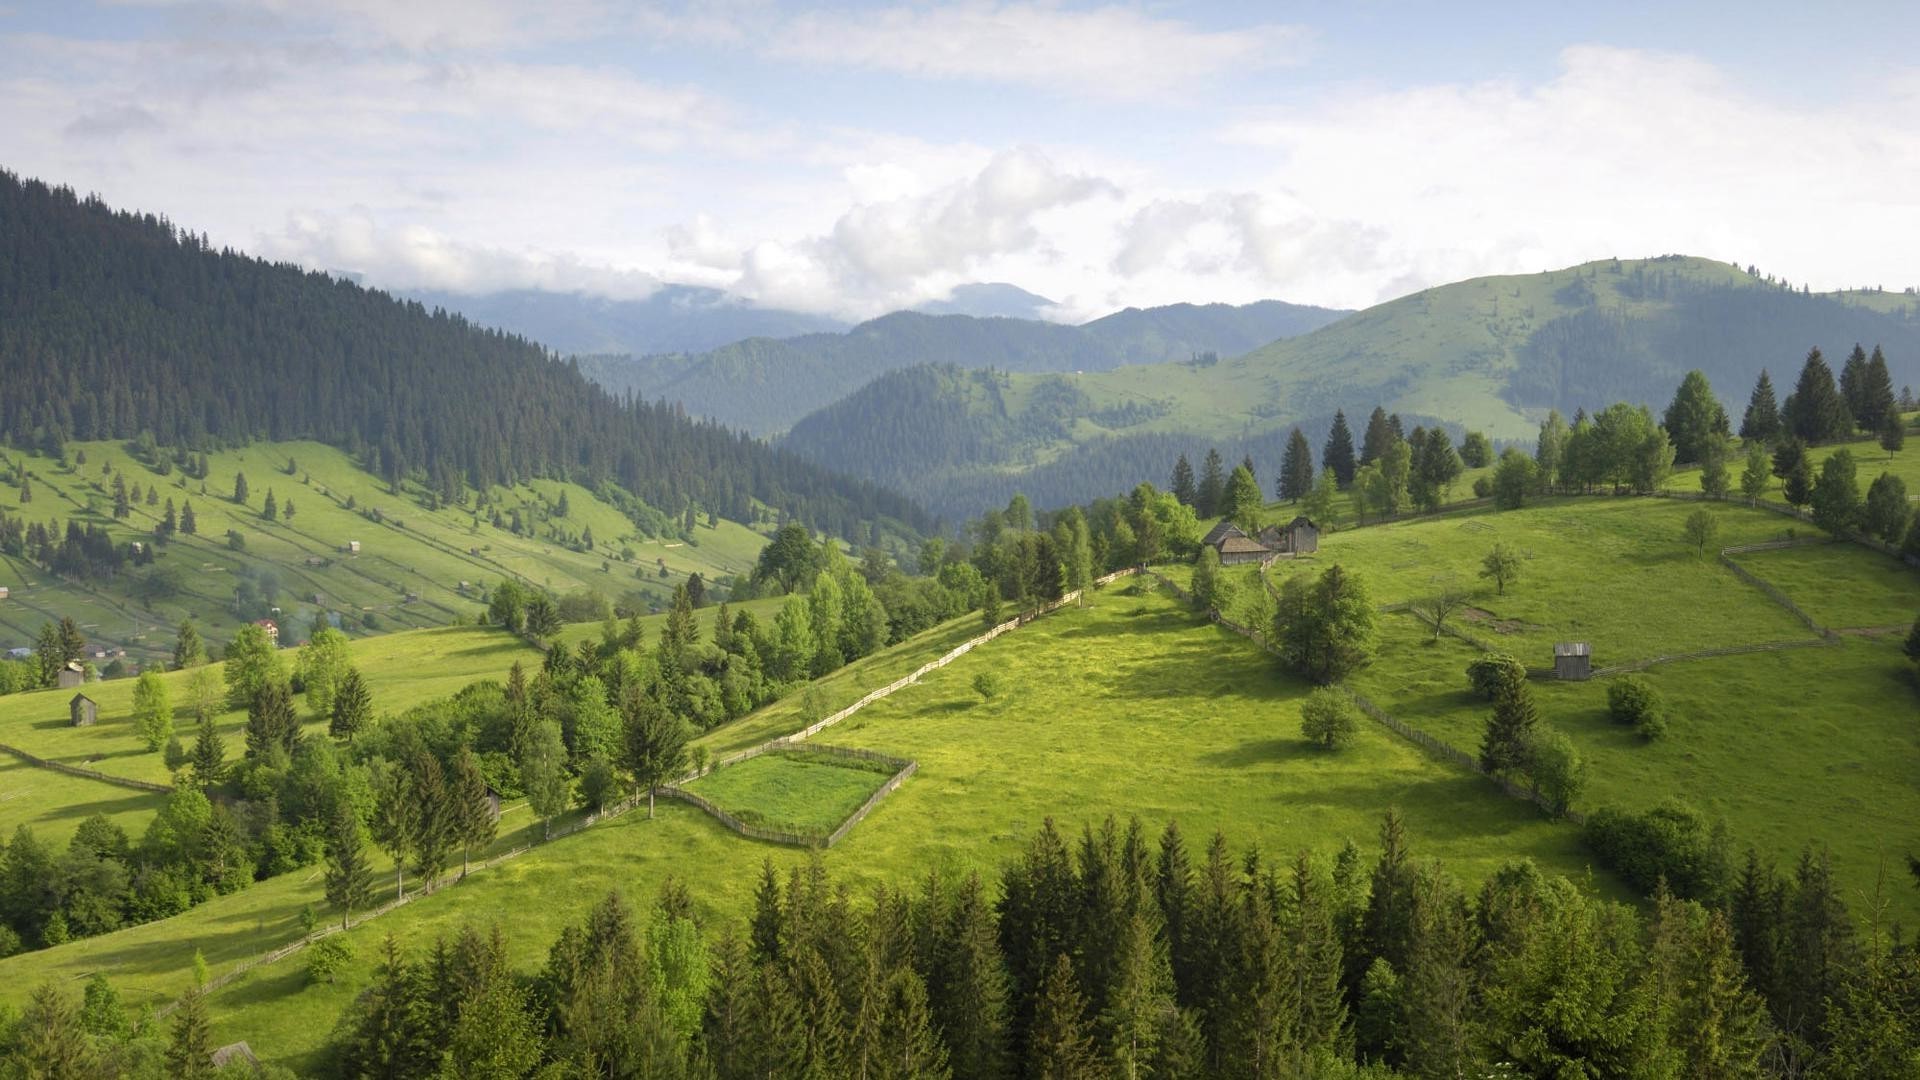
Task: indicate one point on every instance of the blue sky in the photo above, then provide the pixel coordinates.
(854, 158)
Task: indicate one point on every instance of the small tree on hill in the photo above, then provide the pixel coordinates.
(543, 773)
(1516, 477)
(209, 759)
(1836, 495)
(1758, 473)
(152, 711)
(1502, 566)
(188, 649)
(1632, 701)
(1798, 485)
(474, 823)
(1476, 450)
(1325, 629)
(1886, 512)
(240, 488)
(656, 744)
(1713, 467)
(352, 707)
(1702, 527)
(1893, 432)
(988, 685)
(349, 877)
(1441, 604)
(1328, 719)
(1491, 673)
(1504, 746)
(1556, 769)
(1296, 469)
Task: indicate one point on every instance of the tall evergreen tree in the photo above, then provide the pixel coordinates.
(240, 488)
(1379, 435)
(352, 709)
(1877, 402)
(1060, 1048)
(1296, 468)
(968, 984)
(1504, 746)
(190, 1046)
(1183, 486)
(349, 875)
(1338, 452)
(1693, 419)
(50, 1042)
(188, 525)
(1243, 504)
(188, 650)
(1816, 412)
(1836, 495)
(1213, 486)
(475, 822)
(209, 759)
(1853, 383)
(273, 727)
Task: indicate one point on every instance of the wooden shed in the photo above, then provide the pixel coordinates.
(83, 710)
(3, 592)
(1572, 660)
(1235, 550)
(72, 675)
(1297, 537)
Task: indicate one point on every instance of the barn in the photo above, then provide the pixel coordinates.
(1572, 660)
(71, 675)
(1220, 532)
(1235, 550)
(1297, 537)
(83, 711)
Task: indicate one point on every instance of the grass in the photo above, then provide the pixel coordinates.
(409, 571)
(54, 804)
(1841, 585)
(809, 794)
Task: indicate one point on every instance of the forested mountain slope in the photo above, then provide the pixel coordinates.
(1492, 354)
(765, 385)
(114, 324)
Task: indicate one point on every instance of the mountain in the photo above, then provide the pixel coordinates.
(674, 319)
(765, 385)
(989, 300)
(1492, 354)
(117, 325)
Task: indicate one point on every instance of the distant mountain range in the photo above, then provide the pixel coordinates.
(1492, 354)
(990, 300)
(765, 384)
(677, 318)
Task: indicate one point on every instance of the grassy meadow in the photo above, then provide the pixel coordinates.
(408, 573)
(810, 794)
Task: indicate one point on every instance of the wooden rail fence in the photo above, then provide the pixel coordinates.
(90, 774)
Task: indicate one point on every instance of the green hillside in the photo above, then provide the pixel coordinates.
(415, 551)
(1490, 354)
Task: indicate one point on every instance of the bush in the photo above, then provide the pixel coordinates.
(326, 958)
(1670, 841)
(987, 684)
(1489, 673)
(1651, 725)
(1558, 772)
(1482, 486)
(1631, 700)
(1329, 719)
(599, 784)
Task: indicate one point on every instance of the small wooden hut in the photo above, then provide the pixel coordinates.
(1573, 660)
(83, 710)
(1235, 550)
(1297, 537)
(71, 675)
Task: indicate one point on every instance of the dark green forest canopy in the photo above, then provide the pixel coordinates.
(114, 323)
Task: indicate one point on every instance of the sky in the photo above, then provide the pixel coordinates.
(855, 159)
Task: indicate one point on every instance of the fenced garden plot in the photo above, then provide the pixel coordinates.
(799, 796)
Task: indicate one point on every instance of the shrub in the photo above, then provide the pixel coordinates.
(1482, 486)
(326, 958)
(1631, 700)
(599, 784)
(1651, 725)
(1558, 772)
(987, 684)
(1670, 841)
(1329, 719)
(1489, 673)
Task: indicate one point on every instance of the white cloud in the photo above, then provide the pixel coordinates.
(1108, 52)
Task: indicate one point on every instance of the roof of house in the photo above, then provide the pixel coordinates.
(232, 1052)
(1572, 648)
(80, 697)
(1239, 545)
(1221, 532)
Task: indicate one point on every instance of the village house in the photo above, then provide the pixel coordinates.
(272, 628)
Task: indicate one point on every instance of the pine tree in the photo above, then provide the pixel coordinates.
(436, 818)
(1816, 412)
(1242, 504)
(1315, 961)
(1819, 947)
(1798, 487)
(475, 824)
(209, 759)
(1183, 486)
(349, 876)
(270, 509)
(1693, 418)
(1060, 1048)
(240, 488)
(773, 1042)
(1853, 383)
(1504, 746)
(188, 525)
(352, 707)
(1296, 468)
(1836, 495)
(1338, 453)
(1893, 432)
(968, 985)
(49, 1040)
(190, 1047)
(1213, 486)
(273, 728)
(394, 810)
(122, 505)
(1379, 434)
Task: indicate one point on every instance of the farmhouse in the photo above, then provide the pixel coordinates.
(1572, 660)
(83, 711)
(272, 628)
(72, 675)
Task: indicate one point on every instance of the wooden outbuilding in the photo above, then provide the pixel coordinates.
(3, 592)
(72, 675)
(1235, 550)
(1221, 532)
(1297, 537)
(83, 710)
(1573, 660)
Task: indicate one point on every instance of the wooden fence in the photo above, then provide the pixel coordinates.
(90, 774)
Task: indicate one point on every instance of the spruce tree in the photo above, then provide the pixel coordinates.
(1315, 961)
(349, 875)
(1213, 486)
(1893, 432)
(352, 708)
(240, 488)
(394, 810)
(1693, 418)
(1183, 486)
(1836, 495)
(436, 818)
(1798, 486)
(188, 525)
(1816, 412)
(188, 649)
(1504, 746)
(209, 759)
(1338, 452)
(1877, 402)
(1296, 468)
(655, 744)
(1853, 384)
(1379, 435)
(50, 1041)
(1886, 511)
(1060, 1048)
(190, 1046)
(968, 985)
(273, 728)
(474, 822)
(270, 509)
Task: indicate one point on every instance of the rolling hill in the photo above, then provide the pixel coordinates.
(764, 385)
(1492, 354)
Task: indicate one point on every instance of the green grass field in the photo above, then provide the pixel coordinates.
(408, 573)
(810, 794)
(54, 804)
(1841, 585)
